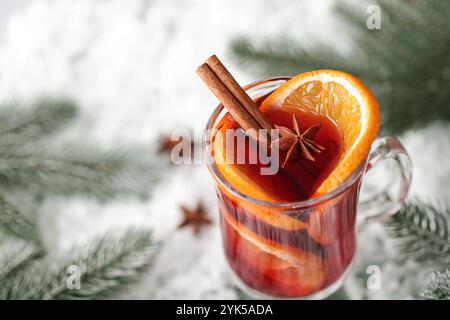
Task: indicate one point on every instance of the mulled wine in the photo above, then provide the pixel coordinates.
(284, 252)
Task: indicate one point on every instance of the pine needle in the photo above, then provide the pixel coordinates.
(29, 167)
(15, 223)
(268, 59)
(14, 254)
(79, 170)
(26, 164)
(421, 232)
(21, 124)
(106, 265)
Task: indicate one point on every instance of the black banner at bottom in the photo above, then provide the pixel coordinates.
(221, 309)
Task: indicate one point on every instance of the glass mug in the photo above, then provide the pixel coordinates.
(300, 249)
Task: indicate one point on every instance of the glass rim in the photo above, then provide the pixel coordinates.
(220, 179)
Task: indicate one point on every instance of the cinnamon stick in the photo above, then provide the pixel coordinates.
(241, 107)
(228, 80)
(227, 98)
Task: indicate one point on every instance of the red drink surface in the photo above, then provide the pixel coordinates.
(300, 178)
(283, 252)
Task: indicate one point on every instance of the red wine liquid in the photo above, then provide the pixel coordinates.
(299, 179)
(287, 252)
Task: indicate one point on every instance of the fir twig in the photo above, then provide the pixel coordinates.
(78, 171)
(14, 222)
(27, 166)
(21, 124)
(439, 286)
(266, 57)
(421, 232)
(107, 265)
(14, 254)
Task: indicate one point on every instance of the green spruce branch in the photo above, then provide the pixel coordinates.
(14, 254)
(25, 124)
(26, 164)
(17, 224)
(266, 57)
(105, 266)
(31, 170)
(405, 63)
(421, 233)
(439, 286)
(78, 170)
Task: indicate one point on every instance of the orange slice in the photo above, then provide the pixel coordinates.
(344, 99)
(238, 178)
(294, 267)
(241, 181)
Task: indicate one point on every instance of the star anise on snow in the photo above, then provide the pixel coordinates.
(196, 217)
(167, 144)
(297, 142)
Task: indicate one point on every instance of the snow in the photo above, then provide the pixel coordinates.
(130, 66)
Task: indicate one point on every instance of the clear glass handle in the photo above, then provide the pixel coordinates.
(389, 200)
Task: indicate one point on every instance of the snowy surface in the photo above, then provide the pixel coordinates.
(130, 66)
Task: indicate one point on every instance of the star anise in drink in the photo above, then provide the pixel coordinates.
(297, 142)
